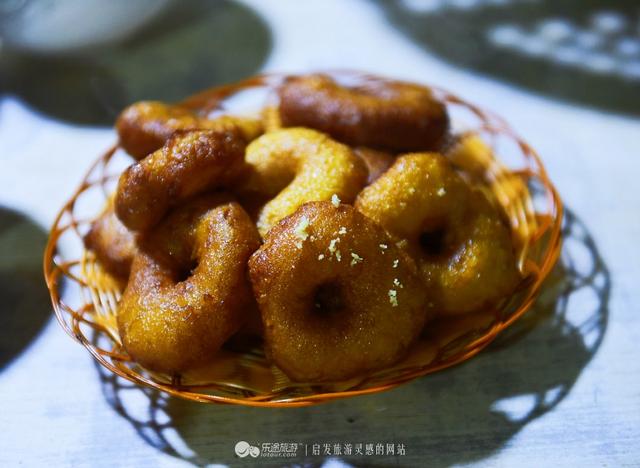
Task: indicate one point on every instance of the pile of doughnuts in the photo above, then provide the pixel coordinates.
(332, 224)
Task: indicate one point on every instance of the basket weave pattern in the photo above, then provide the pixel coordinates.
(85, 298)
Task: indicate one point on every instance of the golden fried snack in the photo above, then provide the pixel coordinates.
(378, 113)
(298, 165)
(188, 164)
(337, 297)
(112, 243)
(271, 118)
(145, 126)
(462, 246)
(188, 290)
(477, 160)
(377, 162)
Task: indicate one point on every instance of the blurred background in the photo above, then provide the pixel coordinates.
(562, 389)
(83, 61)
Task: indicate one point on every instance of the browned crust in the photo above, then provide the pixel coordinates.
(188, 164)
(188, 291)
(383, 114)
(369, 331)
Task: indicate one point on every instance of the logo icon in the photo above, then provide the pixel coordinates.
(244, 448)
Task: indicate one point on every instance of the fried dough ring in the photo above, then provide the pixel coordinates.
(170, 323)
(462, 246)
(112, 243)
(337, 297)
(145, 126)
(188, 164)
(378, 113)
(297, 165)
(376, 161)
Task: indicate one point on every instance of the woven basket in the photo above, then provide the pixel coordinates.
(85, 297)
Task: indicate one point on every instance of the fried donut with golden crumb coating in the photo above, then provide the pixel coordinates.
(378, 113)
(297, 165)
(188, 291)
(112, 243)
(463, 249)
(145, 126)
(338, 299)
(188, 164)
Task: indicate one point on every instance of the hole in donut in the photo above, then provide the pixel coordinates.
(433, 242)
(328, 299)
(185, 271)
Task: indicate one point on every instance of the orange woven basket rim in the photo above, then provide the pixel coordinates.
(71, 318)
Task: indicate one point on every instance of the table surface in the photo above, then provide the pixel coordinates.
(565, 392)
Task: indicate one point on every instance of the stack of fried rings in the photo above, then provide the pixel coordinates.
(337, 224)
